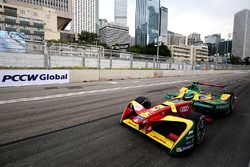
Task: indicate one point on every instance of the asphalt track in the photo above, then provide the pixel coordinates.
(78, 125)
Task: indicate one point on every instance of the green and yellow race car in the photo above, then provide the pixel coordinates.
(206, 103)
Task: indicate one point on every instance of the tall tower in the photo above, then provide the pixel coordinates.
(194, 38)
(164, 24)
(121, 12)
(241, 34)
(85, 16)
(146, 21)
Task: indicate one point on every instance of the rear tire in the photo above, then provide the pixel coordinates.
(200, 126)
(144, 101)
(231, 103)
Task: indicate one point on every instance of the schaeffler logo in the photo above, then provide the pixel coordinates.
(184, 109)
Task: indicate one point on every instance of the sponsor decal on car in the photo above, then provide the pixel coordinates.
(184, 109)
(222, 106)
(187, 147)
(190, 132)
(145, 114)
(140, 117)
(189, 137)
(181, 149)
(159, 139)
(138, 107)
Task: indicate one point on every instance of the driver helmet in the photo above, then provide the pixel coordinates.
(189, 95)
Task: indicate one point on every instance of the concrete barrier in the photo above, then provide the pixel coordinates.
(158, 73)
(95, 75)
(125, 74)
(84, 75)
(114, 74)
(172, 73)
(136, 74)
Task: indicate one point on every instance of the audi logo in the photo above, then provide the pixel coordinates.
(184, 109)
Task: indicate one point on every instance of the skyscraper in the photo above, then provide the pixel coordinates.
(121, 12)
(213, 42)
(176, 39)
(164, 24)
(213, 39)
(194, 38)
(85, 16)
(241, 34)
(146, 21)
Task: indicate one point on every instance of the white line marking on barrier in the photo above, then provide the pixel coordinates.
(240, 72)
(113, 82)
(84, 92)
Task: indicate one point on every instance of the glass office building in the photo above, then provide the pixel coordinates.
(164, 24)
(146, 21)
(213, 39)
(121, 12)
(241, 34)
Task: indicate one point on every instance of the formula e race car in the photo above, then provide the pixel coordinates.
(171, 123)
(206, 103)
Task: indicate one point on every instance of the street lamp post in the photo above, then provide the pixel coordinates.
(159, 19)
(229, 36)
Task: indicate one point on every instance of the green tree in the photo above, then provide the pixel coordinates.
(150, 49)
(135, 49)
(165, 51)
(104, 45)
(88, 38)
(235, 60)
(247, 60)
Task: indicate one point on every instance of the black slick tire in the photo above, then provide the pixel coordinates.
(199, 126)
(144, 101)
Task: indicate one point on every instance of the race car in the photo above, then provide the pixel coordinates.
(206, 103)
(171, 123)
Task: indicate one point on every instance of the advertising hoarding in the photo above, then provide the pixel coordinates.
(32, 77)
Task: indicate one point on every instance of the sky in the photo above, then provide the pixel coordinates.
(205, 17)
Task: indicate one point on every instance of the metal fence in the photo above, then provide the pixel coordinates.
(53, 55)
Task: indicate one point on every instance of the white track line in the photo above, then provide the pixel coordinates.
(84, 92)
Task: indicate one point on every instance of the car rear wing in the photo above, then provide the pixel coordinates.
(212, 85)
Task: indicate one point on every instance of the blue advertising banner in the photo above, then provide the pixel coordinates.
(12, 41)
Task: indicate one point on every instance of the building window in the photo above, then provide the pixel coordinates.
(35, 14)
(22, 11)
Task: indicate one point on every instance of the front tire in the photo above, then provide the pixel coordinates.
(144, 101)
(200, 127)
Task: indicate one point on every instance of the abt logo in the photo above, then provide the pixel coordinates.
(184, 109)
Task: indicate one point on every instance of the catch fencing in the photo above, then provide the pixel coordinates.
(53, 55)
